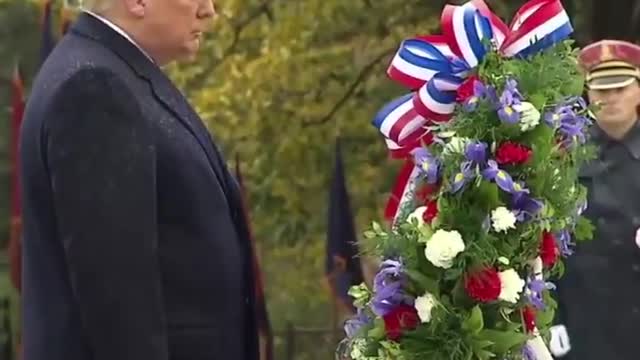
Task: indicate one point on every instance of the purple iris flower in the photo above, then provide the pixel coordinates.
(525, 207)
(492, 96)
(563, 237)
(461, 178)
(574, 128)
(428, 164)
(510, 96)
(501, 177)
(528, 354)
(519, 188)
(553, 118)
(511, 85)
(476, 155)
(479, 93)
(577, 102)
(388, 288)
(507, 113)
(353, 325)
(536, 287)
(476, 152)
(567, 118)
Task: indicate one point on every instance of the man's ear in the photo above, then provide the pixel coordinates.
(137, 8)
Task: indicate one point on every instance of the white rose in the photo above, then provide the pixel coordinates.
(424, 304)
(511, 286)
(529, 115)
(456, 145)
(503, 219)
(417, 214)
(443, 247)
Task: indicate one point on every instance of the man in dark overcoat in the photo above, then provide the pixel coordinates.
(135, 245)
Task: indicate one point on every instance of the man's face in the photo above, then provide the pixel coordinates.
(617, 107)
(174, 28)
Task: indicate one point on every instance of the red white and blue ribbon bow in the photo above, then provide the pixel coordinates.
(434, 67)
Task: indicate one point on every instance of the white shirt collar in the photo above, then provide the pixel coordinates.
(119, 30)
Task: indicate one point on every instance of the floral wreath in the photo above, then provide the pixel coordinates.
(493, 133)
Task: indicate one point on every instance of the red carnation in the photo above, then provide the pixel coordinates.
(466, 89)
(483, 285)
(529, 317)
(431, 212)
(403, 317)
(510, 153)
(549, 251)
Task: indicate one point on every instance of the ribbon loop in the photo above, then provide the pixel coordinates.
(538, 25)
(399, 121)
(418, 60)
(436, 100)
(468, 32)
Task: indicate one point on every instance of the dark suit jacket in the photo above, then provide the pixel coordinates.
(135, 245)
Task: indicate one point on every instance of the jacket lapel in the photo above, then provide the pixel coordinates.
(175, 102)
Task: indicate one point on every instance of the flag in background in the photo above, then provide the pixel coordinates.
(264, 325)
(342, 264)
(17, 109)
(47, 39)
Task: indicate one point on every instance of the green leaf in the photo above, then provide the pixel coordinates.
(541, 139)
(452, 274)
(360, 293)
(377, 332)
(369, 234)
(479, 349)
(484, 354)
(584, 229)
(488, 194)
(545, 318)
(425, 283)
(503, 341)
(426, 232)
(538, 100)
(474, 323)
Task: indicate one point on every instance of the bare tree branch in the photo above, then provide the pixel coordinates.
(238, 27)
(365, 72)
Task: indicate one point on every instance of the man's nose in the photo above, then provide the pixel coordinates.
(207, 10)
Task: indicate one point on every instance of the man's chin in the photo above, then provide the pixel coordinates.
(188, 57)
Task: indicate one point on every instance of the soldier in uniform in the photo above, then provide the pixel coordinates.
(599, 315)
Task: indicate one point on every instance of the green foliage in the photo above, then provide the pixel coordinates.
(17, 17)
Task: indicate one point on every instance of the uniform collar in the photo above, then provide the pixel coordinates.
(119, 30)
(631, 140)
